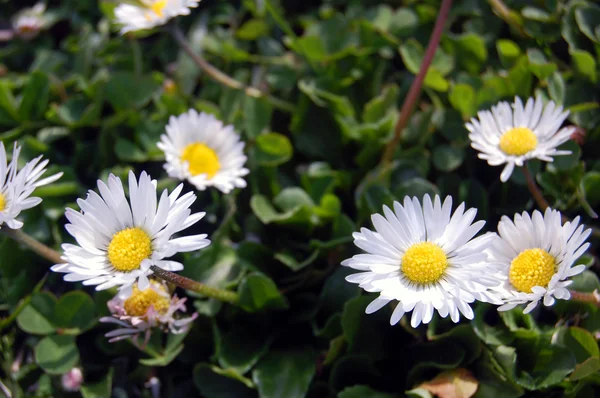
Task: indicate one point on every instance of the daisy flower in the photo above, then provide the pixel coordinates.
(200, 149)
(145, 310)
(147, 14)
(119, 240)
(535, 256)
(29, 21)
(424, 257)
(512, 134)
(16, 185)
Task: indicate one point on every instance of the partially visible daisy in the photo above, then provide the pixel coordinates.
(147, 14)
(145, 310)
(198, 148)
(512, 134)
(535, 256)
(16, 185)
(425, 257)
(29, 21)
(118, 240)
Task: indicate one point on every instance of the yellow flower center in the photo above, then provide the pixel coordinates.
(201, 159)
(518, 141)
(532, 267)
(424, 263)
(2, 202)
(140, 300)
(158, 7)
(128, 248)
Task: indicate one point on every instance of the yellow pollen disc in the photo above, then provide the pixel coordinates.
(201, 159)
(532, 267)
(424, 263)
(158, 7)
(518, 141)
(2, 202)
(128, 248)
(140, 300)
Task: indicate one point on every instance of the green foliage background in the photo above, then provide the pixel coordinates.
(94, 102)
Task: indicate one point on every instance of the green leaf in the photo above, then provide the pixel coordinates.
(163, 360)
(362, 392)
(591, 187)
(435, 80)
(470, 51)
(129, 152)
(581, 342)
(273, 149)
(556, 88)
(447, 158)
(241, 347)
(584, 64)
(252, 29)
(586, 368)
(8, 104)
(57, 354)
(377, 108)
(35, 97)
(258, 292)
(539, 65)
(257, 115)
(462, 98)
(508, 51)
(75, 310)
(285, 373)
(124, 91)
(588, 20)
(216, 385)
(38, 316)
(100, 389)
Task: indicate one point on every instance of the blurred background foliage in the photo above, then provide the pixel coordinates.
(94, 103)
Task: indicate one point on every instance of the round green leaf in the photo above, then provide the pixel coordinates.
(273, 149)
(285, 373)
(75, 310)
(259, 292)
(591, 187)
(57, 354)
(38, 316)
(447, 158)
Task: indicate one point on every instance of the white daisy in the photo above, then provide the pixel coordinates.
(425, 258)
(145, 310)
(16, 185)
(118, 240)
(200, 149)
(535, 255)
(147, 14)
(512, 135)
(29, 21)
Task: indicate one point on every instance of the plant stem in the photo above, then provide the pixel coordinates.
(54, 256)
(508, 16)
(35, 245)
(415, 89)
(542, 202)
(591, 298)
(225, 79)
(534, 189)
(186, 283)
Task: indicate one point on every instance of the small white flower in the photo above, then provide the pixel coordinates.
(72, 380)
(118, 240)
(17, 185)
(425, 258)
(148, 14)
(29, 21)
(145, 310)
(534, 257)
(512, 135)
(198, 148)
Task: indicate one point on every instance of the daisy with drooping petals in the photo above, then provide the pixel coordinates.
(534, 257)
(145, 310)
(147, 14)
(200, 149)
(424, 257)
(16, 185)
(513, 134)
(118, 241)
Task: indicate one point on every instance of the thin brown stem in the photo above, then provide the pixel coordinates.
(225, 79)
(35, 245)
(415, 89)
(534, 189)
(54, 257)
(189, 284)
(590, 298)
